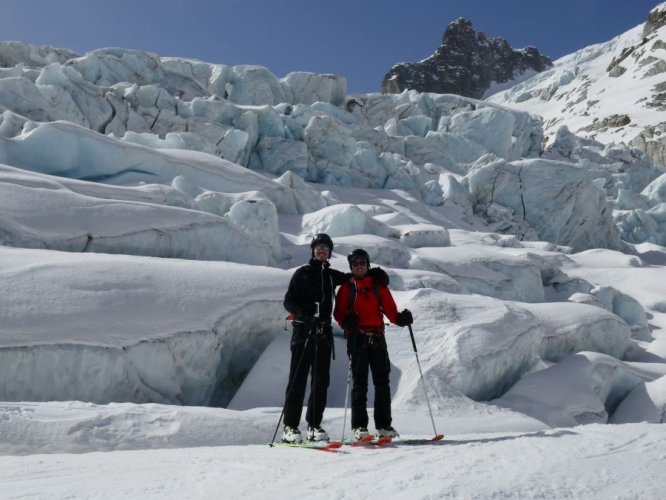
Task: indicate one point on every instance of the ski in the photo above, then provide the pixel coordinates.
(359, 442)
(381, 440)
(330, 446)
(416, 441)
(369, 440)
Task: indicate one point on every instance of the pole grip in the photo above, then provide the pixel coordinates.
(411, 334)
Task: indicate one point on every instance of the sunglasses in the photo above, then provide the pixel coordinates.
(360, 262)
(321, 246)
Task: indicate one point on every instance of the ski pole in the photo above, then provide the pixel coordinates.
(314, 377)
(344, 418)
(425, 391)
(289, 387)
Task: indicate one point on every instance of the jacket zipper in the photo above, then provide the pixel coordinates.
(322, 287)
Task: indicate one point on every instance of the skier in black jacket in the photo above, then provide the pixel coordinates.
(309, 299)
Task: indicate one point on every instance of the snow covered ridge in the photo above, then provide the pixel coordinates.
(124, 117)
(104, 328)
(611, 92)
(137, 329)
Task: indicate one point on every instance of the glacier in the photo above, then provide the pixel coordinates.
(152, 210)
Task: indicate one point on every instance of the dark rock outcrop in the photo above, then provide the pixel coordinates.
(656, 19)
(466, 63)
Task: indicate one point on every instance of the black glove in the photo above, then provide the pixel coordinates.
(314, 323)
(404, 318)
(351, 322)
(379, 275)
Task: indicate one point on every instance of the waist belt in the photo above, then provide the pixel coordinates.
(371, 331)
(321, 322)
(372, 335)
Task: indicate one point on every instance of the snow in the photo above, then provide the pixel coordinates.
(580, 89)
(153, 210)
(485, 460)
(593, 461)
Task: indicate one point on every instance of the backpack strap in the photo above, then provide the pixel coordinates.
(352, 294)
(375, 288)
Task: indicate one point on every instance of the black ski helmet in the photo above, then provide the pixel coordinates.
(321, 238)
(358, 253)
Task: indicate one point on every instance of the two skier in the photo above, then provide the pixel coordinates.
(361, 302)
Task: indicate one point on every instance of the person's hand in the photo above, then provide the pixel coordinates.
(379, 275)
(351, 322)
(316, 326)
(314, 322)
(404, 318)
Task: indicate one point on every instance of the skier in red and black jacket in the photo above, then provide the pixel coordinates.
(360, 306)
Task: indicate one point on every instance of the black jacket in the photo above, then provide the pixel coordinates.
(313, 282)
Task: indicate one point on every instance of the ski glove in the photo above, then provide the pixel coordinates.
(379, 275)
(314, 323)
(351, 322)
(404, 318)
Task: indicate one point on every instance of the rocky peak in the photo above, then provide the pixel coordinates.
(656, 19)
(459, 29)
(466, 63)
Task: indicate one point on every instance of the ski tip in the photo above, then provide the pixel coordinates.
(438, 437)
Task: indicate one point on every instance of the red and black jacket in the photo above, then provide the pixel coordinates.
(368, 300)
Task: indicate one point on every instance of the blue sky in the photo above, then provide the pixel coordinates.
(358, 39)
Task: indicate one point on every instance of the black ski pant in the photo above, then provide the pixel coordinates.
(369, 352)
(310, 353)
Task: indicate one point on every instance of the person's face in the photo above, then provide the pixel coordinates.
(359, 267)
(321, 252)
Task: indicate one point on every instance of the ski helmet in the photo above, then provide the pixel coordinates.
(322, 238)
(359, 253)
